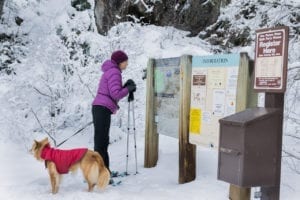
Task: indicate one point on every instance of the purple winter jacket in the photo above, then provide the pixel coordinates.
(110, 89)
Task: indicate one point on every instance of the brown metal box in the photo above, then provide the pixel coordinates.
(247, 149)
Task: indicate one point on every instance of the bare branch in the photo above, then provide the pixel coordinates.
(41, 92)
(36, 117)
(81, 80)
(293, 136)
(293, 68)
(293, 119)
(291, 155)
(291, 162)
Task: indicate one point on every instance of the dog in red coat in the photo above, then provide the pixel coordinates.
(61, 162)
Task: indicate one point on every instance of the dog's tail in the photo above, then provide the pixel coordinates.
(104, 174)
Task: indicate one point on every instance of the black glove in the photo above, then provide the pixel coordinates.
(129, 82)
(131, 88)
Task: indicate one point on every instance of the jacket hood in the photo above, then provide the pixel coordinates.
(109, 64)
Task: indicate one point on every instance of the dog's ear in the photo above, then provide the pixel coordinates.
(35, 145)
(44, 141)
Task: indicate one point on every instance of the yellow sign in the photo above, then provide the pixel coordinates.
(195, 121)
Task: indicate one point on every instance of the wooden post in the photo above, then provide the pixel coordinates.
(236, 192)
(187, 151)
(274, 96)
(151, 136)
(275, 100)
(246, 98)
(252, 96)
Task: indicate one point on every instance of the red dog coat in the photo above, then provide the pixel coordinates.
(63, 159)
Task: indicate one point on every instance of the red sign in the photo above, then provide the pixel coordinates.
(271, 59)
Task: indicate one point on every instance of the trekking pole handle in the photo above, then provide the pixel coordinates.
(130, 97)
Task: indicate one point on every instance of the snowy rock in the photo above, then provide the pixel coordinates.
(188, 15)
(1, 6)
(81, 5)
(19, 20)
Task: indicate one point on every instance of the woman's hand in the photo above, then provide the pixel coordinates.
(129, 82)
(131, 87)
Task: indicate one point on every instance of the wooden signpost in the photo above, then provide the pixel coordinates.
(151, 136)
(271, 60)
(187, 151)
(270, 75)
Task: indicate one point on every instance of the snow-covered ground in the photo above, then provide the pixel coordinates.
(23, 177)
(26, 178)
(58, 75)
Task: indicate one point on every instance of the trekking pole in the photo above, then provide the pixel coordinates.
(131, 104)
(128, 130)
(134, 135)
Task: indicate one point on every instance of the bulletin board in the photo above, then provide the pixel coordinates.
(166, 95)
(213, 95)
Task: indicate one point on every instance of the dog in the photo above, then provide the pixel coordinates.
(60, 162)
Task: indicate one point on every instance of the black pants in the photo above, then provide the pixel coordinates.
(101, 119)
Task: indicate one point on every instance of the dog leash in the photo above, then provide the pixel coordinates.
(74, 134)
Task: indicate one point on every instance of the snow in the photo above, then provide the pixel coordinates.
(48, 81)
(29, 180)
(23, 177)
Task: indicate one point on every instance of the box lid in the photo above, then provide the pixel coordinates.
(249, 116)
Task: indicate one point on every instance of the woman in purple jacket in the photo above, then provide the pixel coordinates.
(110, 91)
